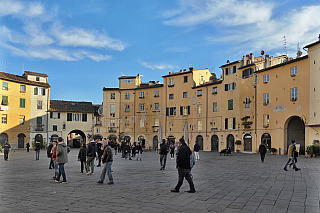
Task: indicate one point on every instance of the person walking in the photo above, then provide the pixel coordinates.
(172, 147)
(107, 160)
(134, 148)
(82, 156)
(61, 159)
(291, 150)
(6, 149)
(127, 149)
(91, 154)
(115, 148)
(163, 154)
(54, 158)
(184, 168)
(99, 151)
(262, 151)
(37, 148)
(28, 146)
(49, 154)
(123, 144)
(196, 149)
(139, 151)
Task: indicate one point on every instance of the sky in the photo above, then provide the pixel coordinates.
(85, 45)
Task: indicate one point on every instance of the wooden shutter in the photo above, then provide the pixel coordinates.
(69, 117)
(188, 110)
(51, 114)
(234, 86)
(234, 69)
(226, 123)
(58, 115)
(181, 110)
(234, 123)
(226, 87)
(43, 91)
(36, 91)
(167, 111)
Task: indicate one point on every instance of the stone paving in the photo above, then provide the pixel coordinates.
(237, 183)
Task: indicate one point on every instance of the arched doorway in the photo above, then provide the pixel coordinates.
(97, 136)
(54, 137)
(3, 138)
(21, 137)
(247, 142)
(266, 139)
(39, 138)
(199, 139)
(296, 131)
(142, 140)
(214, 143)
(230, 142)
(155, 141)
(75, 138)
(127, 138)
(171, 139)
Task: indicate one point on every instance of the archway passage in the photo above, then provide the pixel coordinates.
(113, 137)
(97, 136)
(266, 139)
(296, 131)
(142, 140)
(21, 137)
(3, 138)
(39, 138)
(54, 137)
(247, 143)
(199, 139)
(75, 138)
(126, 138)
(230, 142)
(155, 142)
(214, 143)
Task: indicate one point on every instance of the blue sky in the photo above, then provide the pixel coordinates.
(86, 45)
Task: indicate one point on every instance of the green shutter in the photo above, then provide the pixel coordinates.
(167, 111)
(5, 100)
(230, 104)
(36, 91)
(22, 103)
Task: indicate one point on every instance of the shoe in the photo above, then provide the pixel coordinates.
(110, 183)
(50, 168)
(161, 168)
(53, 178)
(285, 169)
(100, 181)
(64, 182)
(130, 158)
(297, 169)
(88, 173)
(98, 165)
(290, 166)
(191, 191)
(57, 181)
(174, 190)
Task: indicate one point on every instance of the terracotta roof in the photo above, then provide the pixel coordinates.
(312, 44)
(71, 106)
(208, 84)
(21, 79)
(176, 73)
(231, 63)
(36, 73)
(110, 88)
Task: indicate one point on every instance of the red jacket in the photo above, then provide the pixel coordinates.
(54, 151)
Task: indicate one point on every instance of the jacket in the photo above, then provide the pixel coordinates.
(62, 153)
(263, 149)
(91, 151)
(290, 150)
(82, 153)
(107, 154)
(99, 151)
(163, 149)
(196, 148)
(6, 147)
(49, 151)
(54, 153)
(183, 157)
(37, 146)
(139, 148)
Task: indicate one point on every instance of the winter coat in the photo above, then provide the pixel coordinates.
(163, 149)
(37, 146)
(82, 153)
(49, 151)
(127, 148)
(183, 157)
(99, 151)
(54, 153)
(6, 147)
(62, 153)
(91, 151)
(139, 148)
(290, 150)
(196, 147)
(107, 154)
(263, 149)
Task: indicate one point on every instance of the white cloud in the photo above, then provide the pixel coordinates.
(158, 66)
(20, 8)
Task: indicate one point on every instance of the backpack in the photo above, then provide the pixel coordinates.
(192, 161)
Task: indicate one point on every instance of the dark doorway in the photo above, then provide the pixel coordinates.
(230, 142)
(126, 138)
(142, 140)
(247, 143)
(54, 138)
(3, 138)
(155, 142)
(199, 139)
(113, 137)
(39, 138)
(296, 131)
(266, 139)
(214, 143)
(21, 140)
(75, 138)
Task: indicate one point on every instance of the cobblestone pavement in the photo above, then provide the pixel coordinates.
(237, 183)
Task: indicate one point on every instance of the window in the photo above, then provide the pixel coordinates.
(127, 96)
(39, 120)
(35, 91)
(247, 102)
(265, 121)
(97, 130)
(54, 128)
(266, 78)
(4, 100)
(170, 126)
(22, 103)
(199, 125)
(171, 111)
(214, 125)
(39, 104)
(230, 104)
(5, 85)
(156, 106)
(171, 96)
(112, 123)
(294, 71)
(141, 95)
(185, 94)
(294, 94)
(112, 108)
(112, 95)
(185, 110)
(141, 123)
(4, 119)
(171, 82)
(84, 117)
(127, 81)
(199, 109)
(21, 120)
(230, 123)
(231, 70)
(266, 99)
(126, 121)
(127, 108)
(199, 92)
(55, 115)
(215, 107)
(39, 91)
(227, 71)
(247, 72)
(214, 90)
(156, 93)
(185, 79)
(37, 78)
(230, 86)
(141, 107)
(22, 88)
(76, 117)
(69, 116)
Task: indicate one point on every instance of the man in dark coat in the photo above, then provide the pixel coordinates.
(263, 151)
(6, 148)
(184, 168)
(82, 156)
(49, 154)
(100, 152)
(28, 146)
(91, 154)
(163, 154)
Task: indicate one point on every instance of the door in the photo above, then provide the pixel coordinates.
(247, 143)
(230, 142)
(200, 141)
(266, 139)
(214, 143)
(155, 141)
(21, 140)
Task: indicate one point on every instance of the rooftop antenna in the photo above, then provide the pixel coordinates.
(299, 53)
(63, 96)
(6, 66)
(189, 65)
(284, 44)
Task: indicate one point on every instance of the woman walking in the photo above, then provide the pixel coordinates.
(82, 156)
(139, 151)
(37, 148)
(172, 147)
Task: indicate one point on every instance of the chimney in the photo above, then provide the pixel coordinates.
(252, 57)
(169, 73)
(191, 69)
(228, 62)
(180, 71)
(184, 70)
(319, 37)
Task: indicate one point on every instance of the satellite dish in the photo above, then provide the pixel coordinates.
(101, 111)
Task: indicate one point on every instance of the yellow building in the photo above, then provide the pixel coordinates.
(18, 107)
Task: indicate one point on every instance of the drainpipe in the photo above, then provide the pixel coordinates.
(119, 117)
(134, 115)
(256, 114)
(207, 114)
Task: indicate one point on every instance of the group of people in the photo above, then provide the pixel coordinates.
(131, 151)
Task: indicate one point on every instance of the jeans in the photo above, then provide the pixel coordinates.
(164, 158)
(83, 165)
(184, 173)
(90, 160)
(6, 155)
(61, 171)
(294, 163)
(99, 158)
(197, 156)
(123, 155)
(262, 155)
(37, 154)
(106, 168)
(56, 169)
(139, 155)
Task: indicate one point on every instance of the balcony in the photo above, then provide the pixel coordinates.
(39, 127)
(112, 129)
(155, 128)
(98, 123)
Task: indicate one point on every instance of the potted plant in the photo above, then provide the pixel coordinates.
(316, 149)
(273, 151)
(309, 151)
(238, 142)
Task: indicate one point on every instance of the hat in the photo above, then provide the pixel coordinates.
(293, 141)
